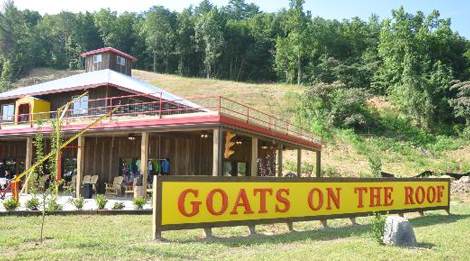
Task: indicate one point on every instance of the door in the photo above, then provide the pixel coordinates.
(23, 112)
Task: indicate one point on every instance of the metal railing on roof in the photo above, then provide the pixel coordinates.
(135, 106)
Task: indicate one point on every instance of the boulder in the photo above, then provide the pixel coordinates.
(399, 232)
(464, 179)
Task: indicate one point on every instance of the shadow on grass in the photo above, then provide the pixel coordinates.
(324, 234)
(430, 220)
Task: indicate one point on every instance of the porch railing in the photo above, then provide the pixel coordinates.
(154, 105)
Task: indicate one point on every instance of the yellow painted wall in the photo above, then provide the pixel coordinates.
(38, 108)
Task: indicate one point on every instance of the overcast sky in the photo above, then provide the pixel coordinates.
(457, 10)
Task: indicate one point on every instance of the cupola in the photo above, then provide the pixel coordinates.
(108, 58)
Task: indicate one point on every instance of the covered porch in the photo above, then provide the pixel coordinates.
(219, 137)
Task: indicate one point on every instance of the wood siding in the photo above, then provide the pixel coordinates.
(108, 61)
(187, 152)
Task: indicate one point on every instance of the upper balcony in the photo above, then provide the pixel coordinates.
(144, 111)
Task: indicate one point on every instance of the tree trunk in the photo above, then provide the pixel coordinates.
(208, 72)
(154, 62)
(299, 70)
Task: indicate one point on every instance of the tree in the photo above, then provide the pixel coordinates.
(159, 33)
(461, 102)
(185, 44)
(209, 36)
(297, 40)
(15, 41)
(416, 68)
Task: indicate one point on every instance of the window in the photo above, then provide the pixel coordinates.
(80, 106)
(97, 58)
(120, 60)
(8, 112)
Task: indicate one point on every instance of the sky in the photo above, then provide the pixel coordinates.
(457, 10)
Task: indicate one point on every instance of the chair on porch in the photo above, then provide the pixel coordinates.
(94, 182)
(116, 187)
(86, 179)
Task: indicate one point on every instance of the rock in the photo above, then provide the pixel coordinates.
(465, 179)
(399, 232)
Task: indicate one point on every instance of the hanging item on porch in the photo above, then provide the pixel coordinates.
(229, 144)
(165, 163)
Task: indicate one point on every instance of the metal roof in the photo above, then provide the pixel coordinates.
(92, 80)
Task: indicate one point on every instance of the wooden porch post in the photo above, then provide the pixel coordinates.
(144, 158)
(279, 161)
(29, 157)
(80, 164)
(254, 157)
(217, 160)
(318, 164)
(299, 162)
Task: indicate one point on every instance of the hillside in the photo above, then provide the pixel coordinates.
(403, 149)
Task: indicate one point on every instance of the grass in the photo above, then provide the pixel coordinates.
(129, 238)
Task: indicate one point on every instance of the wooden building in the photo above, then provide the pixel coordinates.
(200, 136)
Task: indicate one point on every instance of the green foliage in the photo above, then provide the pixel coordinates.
(331, 172)
(210, 38)
(334, 105)
(53, 206)
(10, 204)
(33, 203)
(416, 70)
(139, 202)
(118, 205)
(78, 203)
(375, 165)
(377, 227)
(101, 201)
(461, 102)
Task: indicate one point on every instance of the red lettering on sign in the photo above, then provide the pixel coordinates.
(210, 202)
(310, 199)
(333, 197)
(375, 197)
(409, 195)
(194, 204)
(360, 197)
(388, 201)
(262, 198)
(242, 201)
(431, 194)
(420, 195)
(283, 200)
(440, 194)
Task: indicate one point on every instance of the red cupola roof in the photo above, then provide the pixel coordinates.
(109, 50)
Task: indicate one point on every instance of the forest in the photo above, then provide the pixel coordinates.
(415, 60)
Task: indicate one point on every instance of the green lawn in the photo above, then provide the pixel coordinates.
(129, 237)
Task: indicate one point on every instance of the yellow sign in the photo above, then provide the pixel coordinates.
(212, 200)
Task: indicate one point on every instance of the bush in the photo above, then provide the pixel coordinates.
(101, 201)
(334, 105)
(32, 204)
(118, 205)
(53, 206)
(78, 202)
(139, 202)
(377, 227)
(375, 165)
(10, 204)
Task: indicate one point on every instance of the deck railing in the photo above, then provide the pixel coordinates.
(155, 105)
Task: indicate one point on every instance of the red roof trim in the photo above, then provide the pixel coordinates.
(174, 122)
(111, 50)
